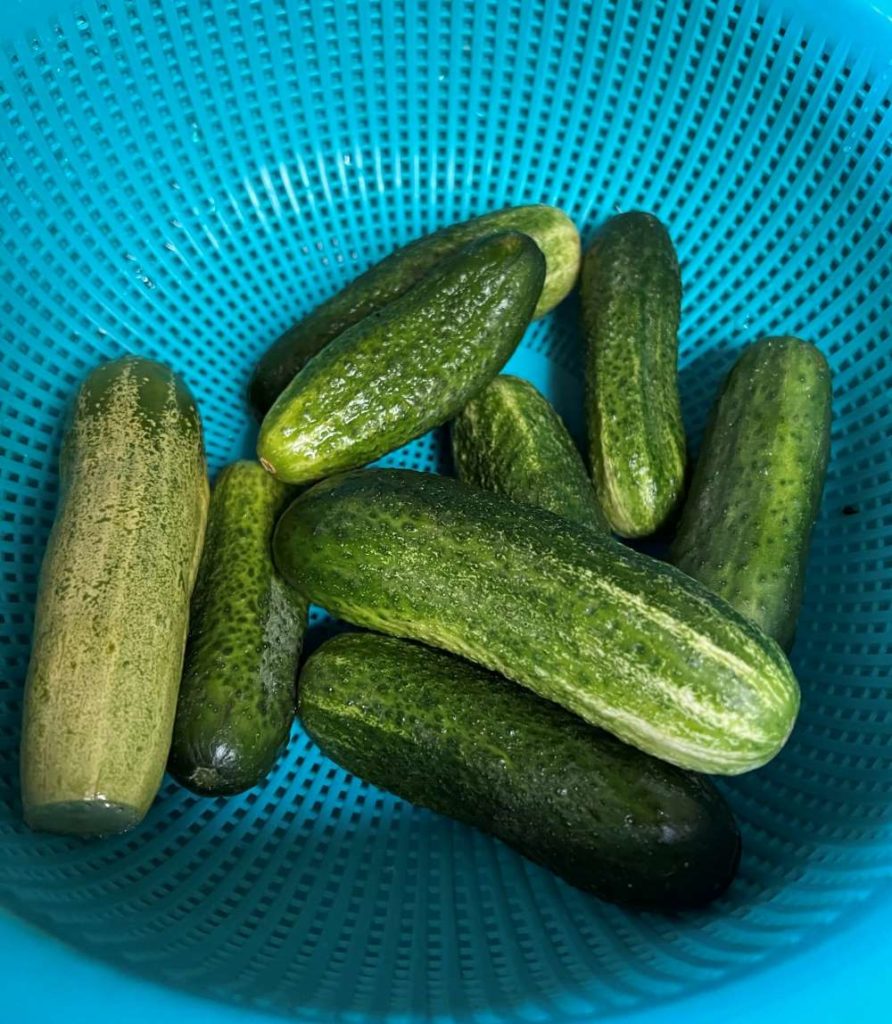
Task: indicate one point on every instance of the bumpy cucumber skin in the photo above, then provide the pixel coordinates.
(113, 601)
(551, 229)
(407, 368)
(631, 296)
(757, 485)
(450, 736)
(237, 699)
(510, 440)
(627, 643)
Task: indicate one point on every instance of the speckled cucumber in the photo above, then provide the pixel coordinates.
(627, 643)
(550, 228)
(510, 440)
(113, 602)
(409, 367)
(462, 741)
(631, 293)
(756, 490)
(246, 627)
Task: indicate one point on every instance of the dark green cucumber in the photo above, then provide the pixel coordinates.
(757, 485)
(550, 228)
(631, 294)
(625, 642)
(509, 439)
(408, 368)
(113, 602)
(237, 696)
(462, 741)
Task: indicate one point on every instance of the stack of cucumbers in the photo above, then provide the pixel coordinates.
(519, 668)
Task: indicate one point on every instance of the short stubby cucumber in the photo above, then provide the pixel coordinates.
(627, 643)
(551, 229)
(631, 294)
(450, 736)
(757, 485)
(113, 601)
(509, 439)
(237, 695)
(408, 368)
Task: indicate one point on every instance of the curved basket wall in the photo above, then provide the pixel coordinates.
(183, 180)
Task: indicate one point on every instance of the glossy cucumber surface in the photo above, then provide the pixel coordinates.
(451, 736)
(551, 229)
(237, 696)
(407, 368)
(625, 642)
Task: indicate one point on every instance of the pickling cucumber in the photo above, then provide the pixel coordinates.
(627, 643)
(757, 485)
(450, 736)
(509, 439)
(407, 368)
(237, 696)
(113, 602)
(550, 228)
(631, 294)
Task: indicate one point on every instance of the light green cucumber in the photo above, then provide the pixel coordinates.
(550, 228)
(113, 602)
(631, 293)
(246, 626)
(756, 490)
(509, 439)
(625, 642)
(407, 368)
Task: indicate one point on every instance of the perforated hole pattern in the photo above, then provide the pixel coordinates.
(184, 180)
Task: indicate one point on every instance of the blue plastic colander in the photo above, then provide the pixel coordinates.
(184, 179)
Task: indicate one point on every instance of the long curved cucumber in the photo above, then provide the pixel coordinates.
(627, 643)
(452, 737)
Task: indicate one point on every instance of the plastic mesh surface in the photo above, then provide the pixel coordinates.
(183, 180)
